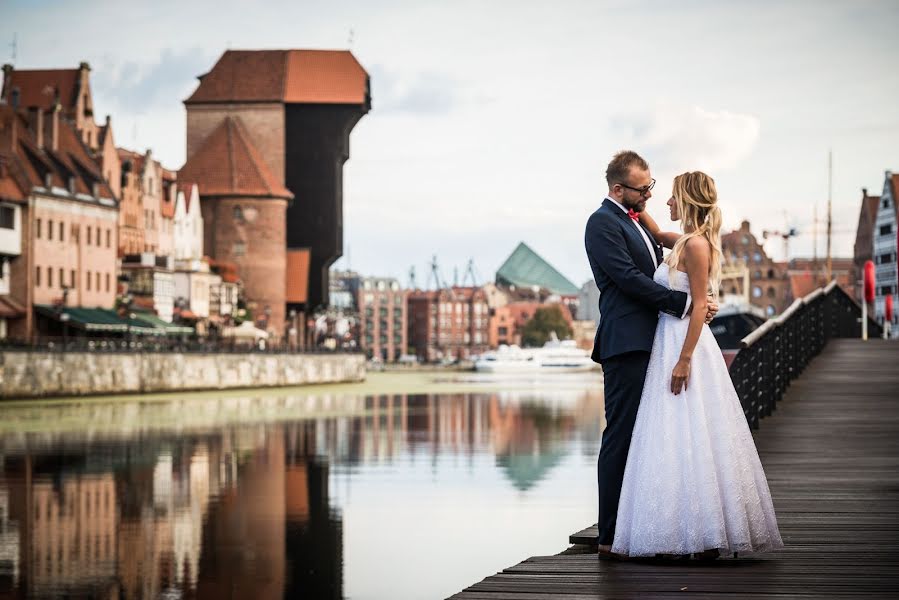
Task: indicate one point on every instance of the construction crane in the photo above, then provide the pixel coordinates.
(785, 236)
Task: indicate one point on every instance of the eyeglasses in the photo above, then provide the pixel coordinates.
(641, 190)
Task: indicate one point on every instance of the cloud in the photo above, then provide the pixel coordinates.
(141, 86)
(678, 138)
(430, 93)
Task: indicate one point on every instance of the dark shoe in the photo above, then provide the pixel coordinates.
(609, 555)
(672, 557)
(712, 554)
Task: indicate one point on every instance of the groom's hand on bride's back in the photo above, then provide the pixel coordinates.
(712, 310)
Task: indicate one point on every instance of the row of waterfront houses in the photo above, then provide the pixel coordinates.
(97, 239)
(84, 223)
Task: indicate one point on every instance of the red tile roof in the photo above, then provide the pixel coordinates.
(40, 87)
(227, 164)
(28, 165)
(292, 76)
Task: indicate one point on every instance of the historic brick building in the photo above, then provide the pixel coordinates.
(448, 323)
(769, 283)
(243, 206)
(297, 109)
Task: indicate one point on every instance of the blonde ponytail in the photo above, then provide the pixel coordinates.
(697, 205)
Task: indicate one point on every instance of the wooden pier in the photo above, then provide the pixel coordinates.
(831, 455)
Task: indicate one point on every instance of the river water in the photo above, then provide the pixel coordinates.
(409, 485)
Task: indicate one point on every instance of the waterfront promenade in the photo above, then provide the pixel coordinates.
(831, 454)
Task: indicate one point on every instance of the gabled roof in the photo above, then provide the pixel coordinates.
(29, 165)
(227, 164)
(40, 87)
(187, 188)
(525, 268)
(291, 76)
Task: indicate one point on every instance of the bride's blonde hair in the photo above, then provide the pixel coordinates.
(697, 204)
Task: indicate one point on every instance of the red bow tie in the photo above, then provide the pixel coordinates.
(634, 215)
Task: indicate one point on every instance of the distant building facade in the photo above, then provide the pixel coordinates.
(382, 306)
(768, 280)
(864, 240)
(884, 250)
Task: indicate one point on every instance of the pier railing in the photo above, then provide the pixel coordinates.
(775, 354)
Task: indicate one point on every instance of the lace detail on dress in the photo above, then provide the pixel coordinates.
(693, 479)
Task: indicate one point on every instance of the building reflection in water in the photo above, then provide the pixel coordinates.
(236, 508)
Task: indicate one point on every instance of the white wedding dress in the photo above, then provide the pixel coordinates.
(693, 479)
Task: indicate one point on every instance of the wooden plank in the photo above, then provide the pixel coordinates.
(831, 455)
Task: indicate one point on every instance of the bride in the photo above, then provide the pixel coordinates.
(693, 482)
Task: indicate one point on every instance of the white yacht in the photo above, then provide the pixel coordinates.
(554, 357)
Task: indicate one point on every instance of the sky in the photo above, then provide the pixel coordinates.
(492, 122)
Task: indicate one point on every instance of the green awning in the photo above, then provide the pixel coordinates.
(157, 323)
(525, 268)
(97, 320)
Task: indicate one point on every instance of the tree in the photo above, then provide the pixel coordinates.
(546, 320)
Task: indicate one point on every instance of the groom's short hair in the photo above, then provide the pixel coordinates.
(621, 164)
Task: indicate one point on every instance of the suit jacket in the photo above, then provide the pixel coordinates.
(629, 300)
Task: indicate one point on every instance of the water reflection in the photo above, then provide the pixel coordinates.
(248, 497)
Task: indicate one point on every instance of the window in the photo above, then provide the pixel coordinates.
(770, 310)
(88, 279)
(98, 280)
(886, 290)
(88, 235)
(757, 257)
(37, 229)
(772, 292)
(886, 258)
(50, 277)
(50, 229)
(107, 282)
(7, 217)
(37, 276)
(72, 279)
(886, 229)
(886, 203)
(62, 232)
(770, 273)
(756, 292)
(109, 238)
(62, 278)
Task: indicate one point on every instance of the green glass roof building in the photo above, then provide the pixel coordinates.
(525, 268)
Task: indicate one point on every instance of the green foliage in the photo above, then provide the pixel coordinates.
(546, 320)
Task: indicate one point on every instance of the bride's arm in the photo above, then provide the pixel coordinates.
(667, 239)
(697, 258)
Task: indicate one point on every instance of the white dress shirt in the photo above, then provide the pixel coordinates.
(649, 245)
(651, 249)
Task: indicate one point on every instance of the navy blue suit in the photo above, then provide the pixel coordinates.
(629, 305)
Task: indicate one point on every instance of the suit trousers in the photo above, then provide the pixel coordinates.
(624, 375)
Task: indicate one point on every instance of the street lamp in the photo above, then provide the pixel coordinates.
(64, 318)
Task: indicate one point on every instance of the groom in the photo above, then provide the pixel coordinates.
(623, 256)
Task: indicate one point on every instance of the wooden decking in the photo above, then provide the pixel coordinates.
(831, 454)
